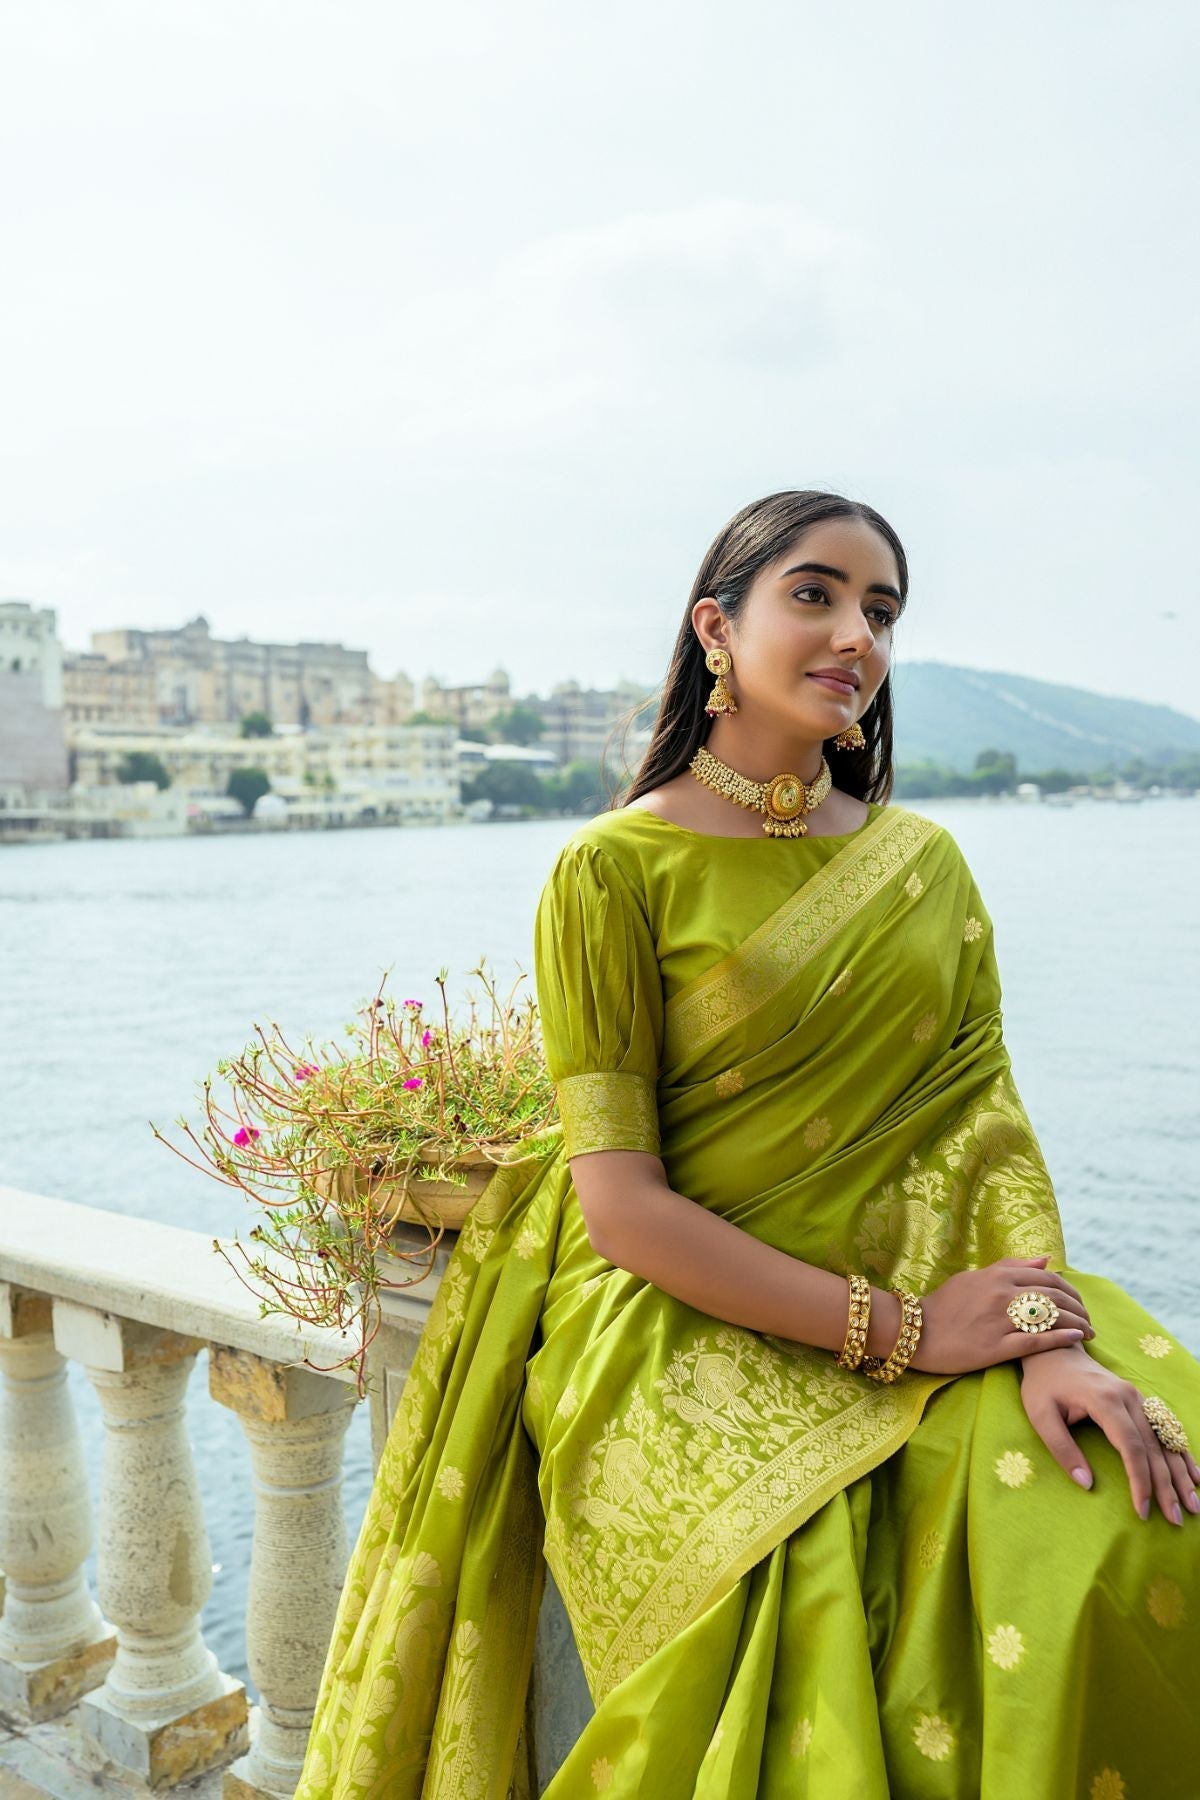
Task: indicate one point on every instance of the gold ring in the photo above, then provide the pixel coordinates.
(1032, 1311)
(1168, 1427)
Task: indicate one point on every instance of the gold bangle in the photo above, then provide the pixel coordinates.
(851, 1353)
(911, 1321)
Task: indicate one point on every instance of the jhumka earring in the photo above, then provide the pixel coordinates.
(850, 739)
(719, 663)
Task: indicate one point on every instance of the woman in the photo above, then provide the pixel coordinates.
(772, 1352)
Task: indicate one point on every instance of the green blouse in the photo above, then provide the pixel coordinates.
(633, 909)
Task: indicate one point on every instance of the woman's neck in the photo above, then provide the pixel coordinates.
(760, 755)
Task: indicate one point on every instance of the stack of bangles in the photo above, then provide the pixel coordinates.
(1031, 1311)
(853, 1352)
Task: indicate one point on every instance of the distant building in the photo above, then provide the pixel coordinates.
(577, 722)
(470, 707)
(408, 772)
(199, 679)
(33, 745)
(98, 690)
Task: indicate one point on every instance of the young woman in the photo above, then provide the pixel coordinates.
(772, 1354)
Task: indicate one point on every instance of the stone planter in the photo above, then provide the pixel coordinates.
(410, 1201)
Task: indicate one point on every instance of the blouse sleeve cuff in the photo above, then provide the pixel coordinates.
(608, 1110)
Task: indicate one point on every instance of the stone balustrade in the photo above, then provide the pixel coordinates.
(124, 1677)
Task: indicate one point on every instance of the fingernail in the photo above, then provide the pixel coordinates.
(1192, 1499)
(1175, 1512)
(1082, 1476)
(1074, 1334)
(1144, 1510)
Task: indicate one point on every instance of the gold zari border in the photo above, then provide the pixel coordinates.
(769, 958)
(608, 1110)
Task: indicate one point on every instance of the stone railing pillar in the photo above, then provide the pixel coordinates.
(295, 1422)
(165, 1711)
(54, 1645)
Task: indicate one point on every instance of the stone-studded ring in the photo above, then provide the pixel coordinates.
(1032, 1311)
(1168, 1426)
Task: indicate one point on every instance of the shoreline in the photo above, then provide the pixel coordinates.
(52, 826)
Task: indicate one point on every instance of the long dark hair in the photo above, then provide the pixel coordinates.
(754, 537)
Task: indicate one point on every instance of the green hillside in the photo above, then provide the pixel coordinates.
(946, 715)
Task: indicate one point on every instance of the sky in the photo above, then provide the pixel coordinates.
(455, 333)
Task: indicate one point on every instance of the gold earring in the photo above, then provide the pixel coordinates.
(719, 663)
(850, 739)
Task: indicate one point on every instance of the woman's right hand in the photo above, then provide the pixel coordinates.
(966, 1323)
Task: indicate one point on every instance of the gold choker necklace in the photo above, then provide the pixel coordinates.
(783, 799)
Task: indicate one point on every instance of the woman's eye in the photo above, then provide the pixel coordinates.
(883, 614)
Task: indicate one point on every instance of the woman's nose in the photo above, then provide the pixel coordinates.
(851, 634)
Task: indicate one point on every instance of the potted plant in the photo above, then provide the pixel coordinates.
(349, 1154)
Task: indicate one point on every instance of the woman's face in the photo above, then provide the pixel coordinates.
(829, 603)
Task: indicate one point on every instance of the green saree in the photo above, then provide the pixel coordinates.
(783, 1579)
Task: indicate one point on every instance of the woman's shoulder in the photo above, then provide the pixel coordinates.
(627, 838)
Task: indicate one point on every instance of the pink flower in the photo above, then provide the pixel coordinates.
(426, 1039)
(243, 1136)
(417, 1003)
(304, 1071)
(414, 1081)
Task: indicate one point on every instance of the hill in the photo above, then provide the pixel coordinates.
(946, 715)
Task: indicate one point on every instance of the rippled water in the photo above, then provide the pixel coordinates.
(128, 969)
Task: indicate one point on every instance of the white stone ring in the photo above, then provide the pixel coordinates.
(1032, 1311)
(1167, 1426)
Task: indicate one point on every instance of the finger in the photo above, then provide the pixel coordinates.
(1185, 1487)
(1121, 1429)
(1160, 1469)
(1032, 1343)
(1051, 1427)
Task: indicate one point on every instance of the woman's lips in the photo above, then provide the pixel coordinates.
(835, 687)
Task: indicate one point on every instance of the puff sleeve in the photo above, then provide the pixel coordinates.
(599, 989)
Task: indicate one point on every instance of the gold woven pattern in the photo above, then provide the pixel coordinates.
(608, 1110)
(795, 932)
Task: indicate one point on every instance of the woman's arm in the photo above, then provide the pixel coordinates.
(636, 1221)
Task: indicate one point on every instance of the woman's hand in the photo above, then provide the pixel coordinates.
(1058, 1391)
(966, 1323)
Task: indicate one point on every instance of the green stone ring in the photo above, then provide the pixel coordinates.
(1032, 1311)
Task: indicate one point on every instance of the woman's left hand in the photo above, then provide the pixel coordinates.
(1060, 1387)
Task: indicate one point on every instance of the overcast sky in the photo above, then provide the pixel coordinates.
(455, 332)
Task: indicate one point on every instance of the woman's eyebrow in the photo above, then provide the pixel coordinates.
(876, 587)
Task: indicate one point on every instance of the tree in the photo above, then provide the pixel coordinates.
(257, 724)
(579, 788)
(247, 786)
(428, 718)
(995, 772)
(507, 784)
(519, 725)
(143, 765)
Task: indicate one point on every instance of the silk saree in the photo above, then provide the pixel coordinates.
(783, 1579)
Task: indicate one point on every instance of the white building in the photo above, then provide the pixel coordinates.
(33, 749)
(404, 772)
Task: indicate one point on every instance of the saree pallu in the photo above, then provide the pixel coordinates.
(782, 1578)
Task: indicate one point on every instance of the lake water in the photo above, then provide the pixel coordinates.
(128, 969)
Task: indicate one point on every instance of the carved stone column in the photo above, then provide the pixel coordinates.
(54, 1645)
(295, 1422)
(165, 1712)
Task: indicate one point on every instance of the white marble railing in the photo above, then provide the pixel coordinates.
(125, 1673)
